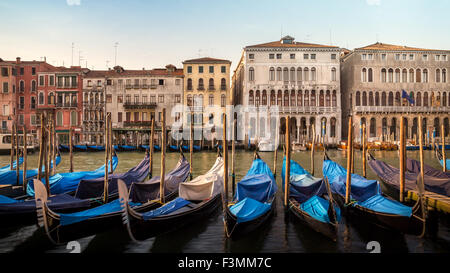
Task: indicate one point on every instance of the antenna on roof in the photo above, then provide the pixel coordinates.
(80, 58)
(115, 53)
(107, 66)
(72, 52)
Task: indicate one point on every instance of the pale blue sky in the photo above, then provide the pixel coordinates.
(155, 33)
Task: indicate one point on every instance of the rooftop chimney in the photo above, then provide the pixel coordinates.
(18, 60)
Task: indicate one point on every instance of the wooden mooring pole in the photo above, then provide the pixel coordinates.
(163, 156)
(349, 160)
(287, 173)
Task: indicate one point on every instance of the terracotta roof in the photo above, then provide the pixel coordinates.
(132, 73)
(291, 45)
(206, 60)
(388, 47)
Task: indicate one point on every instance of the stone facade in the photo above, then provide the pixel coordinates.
(302, 79)
(373, 79)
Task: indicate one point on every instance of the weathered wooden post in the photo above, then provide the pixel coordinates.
(191, 145)
(421, 186)
(353, 151)
(106, 179)
(152, 135)
(287, 177)
(110, 146)
(24, 174)
(313, 144)
(47, 159)
(349, 160)
(163, 156)
(11, 159)
(70, 150)
(233, 150)
(41, 147)
(402, 159)
(444, 159)
(225, 157)
(17, 156)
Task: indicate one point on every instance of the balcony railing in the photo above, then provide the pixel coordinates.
(211, 88)
(139, 105)
(152, 86)
(67, 104)
(297, 109)
(136, 123)
(402, 109)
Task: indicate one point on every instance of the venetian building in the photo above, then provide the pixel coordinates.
(302, 79)
(373, 79)
(134, 97)
(94, 83)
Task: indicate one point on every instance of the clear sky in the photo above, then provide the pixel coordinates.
(155, 33)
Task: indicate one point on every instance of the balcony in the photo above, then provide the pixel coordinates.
(139, 105)
(67, 86)
(298, 109)
(211, 88)
(223, 88)
(66, 105)
(401, 109)
(145, 86)
(128, 86)
(152, 86)
(136, 123)
(201, 88)
(136, 86)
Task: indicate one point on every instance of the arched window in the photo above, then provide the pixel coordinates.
(334, 99)
(299, 98)
(286, 98)
(306, 74)
(223, 84)
(397, 99)
(292, 76)
(189, 84)
(200, 100)
(377, 99)
(264, 97)
(189, 100)
(364, 98)
(279, 74)
(313, 74)
(21, 86)
(250, 98)
(373, 127)
(397, 75)
(211, 84)
(51, 99)
(333, 127)
(383, 99)
(411, 75)
(370, 98)
(444, 99)
(418, 75)
(200, 84)
(306, 99)
(444, 75)
(418, 99)
(59, 118)
(437, 126)
(404, 75)
(358, 98)
(292, 97)
(279, 98)
(299, 74)
(328, 99)
(251, 74)
(257, 98)
(391, 75)
(425, 98)
(273, 99)
(391, 99)
(211, 100)
(370, 75)
(364, 75)
(321, 99)
(41, 98)
(383, 75)
(313, 98)
(33, 86)
(425, 75)
(272, 74)
(333, 74)
(438, 75)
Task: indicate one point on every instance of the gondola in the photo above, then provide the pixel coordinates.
(368, 202)
(156, 148)
(95, 148)
(172, 148)
(435, 182)
(64, 148)
(9, 177)
(253, 203)
(186, 148)
(307, 200)
(197, 199)
(68, 182)
(441, 160)
(80, 148)
(88, 194)
(8, 167)
(63, 227)
(127, 148)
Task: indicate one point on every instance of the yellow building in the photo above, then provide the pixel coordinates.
(206, 89)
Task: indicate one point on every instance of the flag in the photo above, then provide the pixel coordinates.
(407, 97)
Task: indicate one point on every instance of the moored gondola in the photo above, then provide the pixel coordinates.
(253, 203)
(369, 204)
(197, 199)
(307, 200)
(95, 148)
(441, 158)
(80, 148)
(62, 227)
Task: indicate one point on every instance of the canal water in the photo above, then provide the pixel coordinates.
(281, 234)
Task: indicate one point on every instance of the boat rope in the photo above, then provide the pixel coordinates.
(226, 228)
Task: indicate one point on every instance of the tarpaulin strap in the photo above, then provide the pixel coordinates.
(351, 203)
(96, 200)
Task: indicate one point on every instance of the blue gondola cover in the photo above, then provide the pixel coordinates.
(166, 209)
(249, 209)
